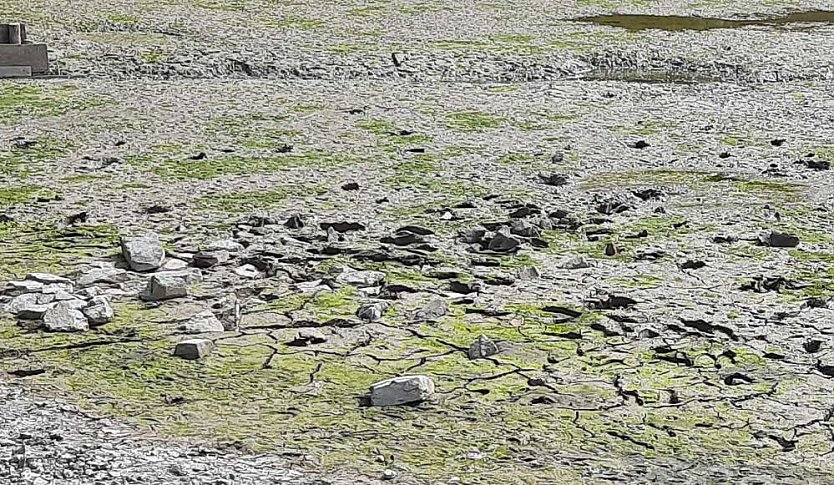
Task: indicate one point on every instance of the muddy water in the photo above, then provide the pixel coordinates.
(679, 23)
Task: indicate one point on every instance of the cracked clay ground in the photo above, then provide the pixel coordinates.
(646, 328)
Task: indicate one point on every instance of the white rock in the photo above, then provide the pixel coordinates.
(174, 264)
(229, 245)
(89, 292)
(360, 279)
(16, 288)
(203, 322)
(109, 276)
(401, 390)
(190, 275)
(62, 317)
(143, 253)
(57, 288)
(98, 311)
(576, 262)
(247, 271)
(29, 306)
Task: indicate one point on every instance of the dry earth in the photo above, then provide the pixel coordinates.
(671, 356)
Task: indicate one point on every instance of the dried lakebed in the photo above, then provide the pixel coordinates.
(585, 271)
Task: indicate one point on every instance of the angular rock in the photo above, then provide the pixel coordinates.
(360, 279)
(528, 274)
(17, 288)
(776, 239)
(203, 322)
(308, 336)
(432, 310)
(502, 243)
(473, 235)
(164, 287)
(248, 271)
(482, 348)
(144, 253)
(174, 264)
(554, 179)
(464, 288)
(373, 312)
(401, 390)
(194, 349)
(190, 275)
(98, 311)
(62, 317)
(575, 262)
(207, 259)
(524, 229)
(294, 222)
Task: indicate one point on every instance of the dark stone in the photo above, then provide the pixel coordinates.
(342, 227)
(554, 179)
(350, 186)
(464, 288)
(776, 239)
(640, 144)
(294, 222)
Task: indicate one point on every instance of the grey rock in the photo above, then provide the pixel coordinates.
(194, 349)
(360, 279)
(62, 317)
(776, 239)
(190, 275)
(432, 310)
(309, 336)
(143, 253)
(203, 322)
(528, 274)
(174, 264)
(164, 287)
(62, 295)
(57, 288)
(503, 243)
(110, 276)
(401, 390)
(16, 288)
(29, 306)
(373, 312)
(229, 245)
(575, 262)
(207, 259)
(98, 311)
(48, 279)
(473, 235)
(482, 348)
(524, 229)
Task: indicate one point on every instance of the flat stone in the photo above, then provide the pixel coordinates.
(482, 348)
(98, 311)
(48, 279)
(502, 243)
(203, 322)
(248, 271)
(109, 276)
(89, 292)
(360, 279)
(194, 349)
(16, 288)
(7, 72)
(190, 275)
(401, 390)
(174, 264)
(308, 336)
(776, 239)
(229, 245)
(57, 288)
(62, 317)
(165, 287)
(373, 312)
(29, 306)
(576, 262)
(143, 253)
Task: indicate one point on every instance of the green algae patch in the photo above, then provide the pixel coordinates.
(243, 201)
(18, 101)
(473, 121)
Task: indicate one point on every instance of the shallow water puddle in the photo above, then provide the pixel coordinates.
(679, 23)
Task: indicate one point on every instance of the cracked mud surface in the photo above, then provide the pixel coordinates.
(712, 361)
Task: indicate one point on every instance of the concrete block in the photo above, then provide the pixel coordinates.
(34, 55)
(12, 33)
(15, 71)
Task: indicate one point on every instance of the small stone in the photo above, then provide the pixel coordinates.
(401, 390)
(294, 222)
(640, 144)
(432, 310)
(473, 235)
(62, 317)
(557, 157)
(174, 264)
(360, 279)
(576, 262)
(389, 474)
(48, 279)
(194, 349)
(111, 276)
(502, 243)
(308, 336)
(207, 259)
(98, 311)
(776, 239)
(89, 292)
(190, 275)
(524, 229)
(372, 312)
(554, 179)
(464, 288)
(350, 186)
(164, 287)
(203, 322)
(528, 274)
(229, 245)
(144, 253)
(482, 348)
(248, 271)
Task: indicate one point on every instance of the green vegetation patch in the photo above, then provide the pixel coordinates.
(474, 121)
(18, 101)
(255, 199)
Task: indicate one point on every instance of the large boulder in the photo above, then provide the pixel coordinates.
(143, 253)
(401, 390)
